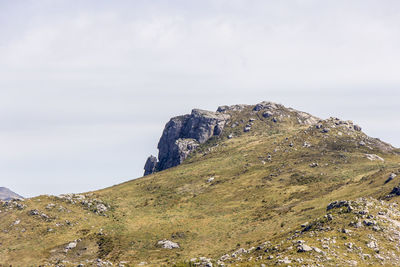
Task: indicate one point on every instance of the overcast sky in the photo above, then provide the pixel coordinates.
(86, 86)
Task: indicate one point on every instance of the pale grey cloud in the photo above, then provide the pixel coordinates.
(86, 86)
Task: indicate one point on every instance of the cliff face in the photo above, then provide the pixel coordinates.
(182, 135)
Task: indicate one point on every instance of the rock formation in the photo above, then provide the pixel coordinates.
(150, 166)
(182, 135)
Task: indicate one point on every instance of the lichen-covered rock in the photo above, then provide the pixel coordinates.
(183, 134)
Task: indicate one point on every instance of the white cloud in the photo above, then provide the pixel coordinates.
(69, 71)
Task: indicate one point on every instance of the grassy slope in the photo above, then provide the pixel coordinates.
(249, 201)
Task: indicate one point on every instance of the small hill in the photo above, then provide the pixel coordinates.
(226, 181)
(7, 194)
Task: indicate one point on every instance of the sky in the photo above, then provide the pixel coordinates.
(86, 86)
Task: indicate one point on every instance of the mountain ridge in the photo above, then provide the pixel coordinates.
(7, 194)
(269, 171)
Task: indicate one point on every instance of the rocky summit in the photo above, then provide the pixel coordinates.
(247, 185)
(182, 135)
(7, 194)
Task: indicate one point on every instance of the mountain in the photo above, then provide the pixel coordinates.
(246, 185)
(7, 194)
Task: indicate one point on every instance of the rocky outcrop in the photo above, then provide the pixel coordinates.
(182, 135)
(150, 166)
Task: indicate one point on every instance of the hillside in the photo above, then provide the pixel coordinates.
(252, 183)
(7, 194)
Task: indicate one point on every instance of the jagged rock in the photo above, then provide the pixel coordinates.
(183, 134)
(150, 166)
(167, 244)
